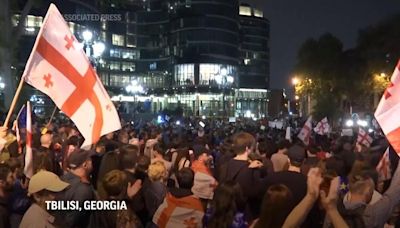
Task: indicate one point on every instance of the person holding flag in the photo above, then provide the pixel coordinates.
(305, 132)
(58, 68)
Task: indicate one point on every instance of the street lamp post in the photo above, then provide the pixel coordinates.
(134, 88)
(93, 49)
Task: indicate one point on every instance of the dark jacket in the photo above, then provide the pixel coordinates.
(4, 214)
(249, 180)
(154, 194)
(77, 190)
(114, 219)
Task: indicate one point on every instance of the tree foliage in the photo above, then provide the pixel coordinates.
(347, 78)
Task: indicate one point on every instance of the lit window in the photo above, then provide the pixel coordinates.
(258, 13)
(103, 36)
(130, 54)
(116, 53)
(118, 40)
(246, 61)
(33, 21)
(119, 80)
(184, 74)
(114, 65)
(245, 10)
(127, 66)
(15, 19)
(212, 74)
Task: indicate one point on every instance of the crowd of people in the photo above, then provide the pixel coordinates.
(217, 174)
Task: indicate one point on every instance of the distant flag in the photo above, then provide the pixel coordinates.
(305, 132)
(16, 127)
(364, 138)
(58, 67)
(322, 127)
(28, 167)
(383, 167)
(288, 134)
(388, 110)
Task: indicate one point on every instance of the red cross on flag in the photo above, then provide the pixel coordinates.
(383, 167)
(60, 69)
(305, 132)
(364, 138)
(322, 127)
(388, 111)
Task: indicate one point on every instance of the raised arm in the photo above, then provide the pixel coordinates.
(300, 212)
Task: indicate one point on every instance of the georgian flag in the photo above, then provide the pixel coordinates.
(59, 68)
(388, 111)
(322, 127)
(364, 138)
(179, 212)
(383, 167)
(28, 164)
(305, 132)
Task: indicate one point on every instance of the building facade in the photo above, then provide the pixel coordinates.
(204, 57)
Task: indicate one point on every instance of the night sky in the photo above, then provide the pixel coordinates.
(293, 21)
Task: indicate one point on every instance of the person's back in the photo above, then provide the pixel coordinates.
(239, 171)
(279, 161)
(180, 207)
(292, 178)
(296, 183)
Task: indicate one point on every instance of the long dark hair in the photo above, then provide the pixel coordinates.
(275, 207)
(227, 201)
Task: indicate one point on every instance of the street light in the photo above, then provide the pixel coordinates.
(98, 49)
(2, 84)
(134, 88)
(295, 81)
(87, 35)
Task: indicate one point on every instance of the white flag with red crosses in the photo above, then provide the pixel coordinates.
(322, 127)
(364, 138)
(383, 167)
(59, 67)
(305, 132)
(388, 111)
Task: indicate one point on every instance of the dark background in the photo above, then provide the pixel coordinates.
(293, 21)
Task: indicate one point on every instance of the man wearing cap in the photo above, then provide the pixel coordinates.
(292, 178)
(42, 187)
(80, 189)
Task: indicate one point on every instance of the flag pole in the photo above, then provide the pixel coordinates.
(52, 115)
(13, 103)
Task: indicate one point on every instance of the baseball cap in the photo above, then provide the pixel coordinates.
(296, 153)
(46, 180)
(78, 157)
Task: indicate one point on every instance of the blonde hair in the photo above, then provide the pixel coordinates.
(157, 171)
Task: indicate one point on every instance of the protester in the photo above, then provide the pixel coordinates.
(18, 202)
(80, 189)
(292, 178)
(155, 190)
(6, 182)
(115, 184)
(227, 207)
(279, 159)
(42, 187)
(180, 207)
(246, 174)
